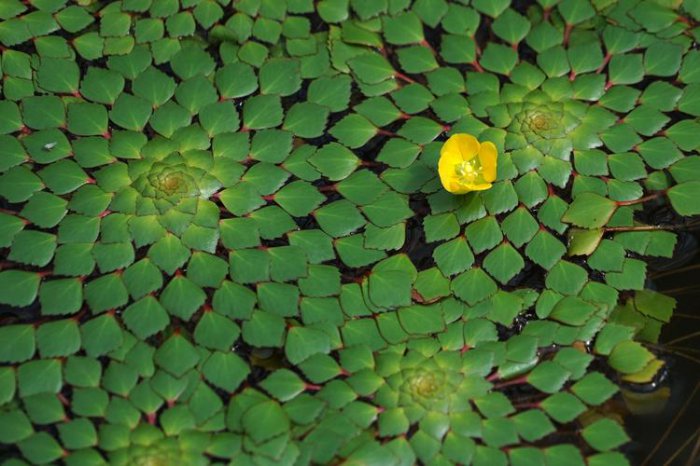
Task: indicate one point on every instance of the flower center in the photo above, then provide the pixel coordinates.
(468, 172)
(540, 121)
(425, 386)
(171, 183)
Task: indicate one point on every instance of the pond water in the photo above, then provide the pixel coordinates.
(669, 434)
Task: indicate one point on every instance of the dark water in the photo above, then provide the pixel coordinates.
(671, 435)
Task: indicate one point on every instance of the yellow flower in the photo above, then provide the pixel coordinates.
(467, 165)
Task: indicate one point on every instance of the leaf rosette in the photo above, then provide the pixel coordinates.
(166, 190)
(168, 183)
(421, 385)
(150, 447)
(541, 122)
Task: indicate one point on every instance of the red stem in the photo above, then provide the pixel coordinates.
(403, 77)
(642, 199)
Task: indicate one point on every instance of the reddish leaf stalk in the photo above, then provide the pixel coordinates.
(642, 199)
(403, 77)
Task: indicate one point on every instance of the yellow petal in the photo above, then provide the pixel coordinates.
(488, 155)
(455, 187)
(448, 161)
(446, 171)
(463, 144)
(478, 187)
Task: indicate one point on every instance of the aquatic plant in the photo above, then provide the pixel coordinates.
(228, 242)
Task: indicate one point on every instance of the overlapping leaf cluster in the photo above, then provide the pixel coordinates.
(227, 243)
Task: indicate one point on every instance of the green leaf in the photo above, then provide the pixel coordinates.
(398, 152)
(659, 152)
(236, 80)
(371, 68)
(503, 263)
(106, 292)
(306, 119)
(169, 254)
(101, 85)
(101, 335)
(283, 384)
(590, 210)
(594, 388)
(265, 420)
(491, 8)
(216, 332)
(41, 448)
(655, 305)
(653, 16)
(142, 278)
(219, 117)
(584, 242)
(684, 197)
(388, 210)
(629, 357)
(264, 329)
(548, 377)
(339, 218)
(130, 112)
(332, 92)
(154, 86)
(302, 343)
(413, 60)
(663, 58)
(613, 458)
(262, 111)
(566, 278)
(353, 131)
(181, 297)
(563, 407)
(545, 249)
(483, 234)
(249, 265)
(322, 280)
(499, 58)
(280, 76)
(454, 256)
(604, 434)
(626, 69)
(145, 317)
(225, 370)
(177, 355)
(19, 343)
(334, 161)
(239, 233)
(575, 12)
(20, 287)
(299, 198)
(33, 248)
(58, 338)
(58, 75)
(43, 112)
(403, 29)
(79, 433)
(40, 376)
(390, 288)
(473, 286)
(361, 187)
(440, 227)
(63, 176)
(421, 320)
(511, 26)
(572, 311)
